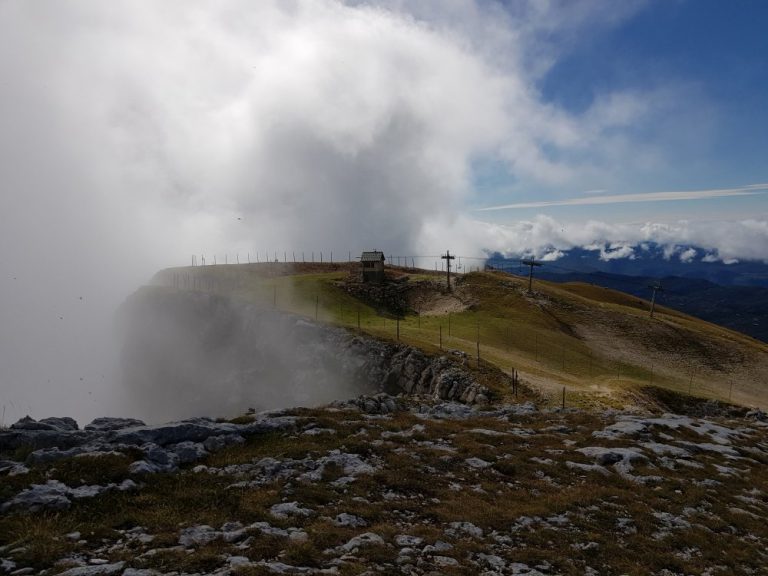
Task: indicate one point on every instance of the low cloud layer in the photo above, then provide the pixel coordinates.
(546, 237)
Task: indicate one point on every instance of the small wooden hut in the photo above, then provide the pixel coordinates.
(372, 266)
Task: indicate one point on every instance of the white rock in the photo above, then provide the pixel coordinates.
(408, 540)
(467, 528)
(366, 539)
(345, 519)
(103, 570)
(286, 509)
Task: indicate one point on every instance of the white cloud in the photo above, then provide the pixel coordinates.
(748, 190)
(725, 241)
(688, 255)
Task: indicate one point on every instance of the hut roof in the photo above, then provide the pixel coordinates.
(372, 257)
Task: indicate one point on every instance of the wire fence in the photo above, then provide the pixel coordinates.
(431, 262)
(479, 337)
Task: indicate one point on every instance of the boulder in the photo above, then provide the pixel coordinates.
(112, 424)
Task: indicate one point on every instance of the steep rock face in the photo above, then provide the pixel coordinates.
(192, 353)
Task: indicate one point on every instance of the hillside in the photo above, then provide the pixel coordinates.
(428, 462)
(741, 308)
(597, 343)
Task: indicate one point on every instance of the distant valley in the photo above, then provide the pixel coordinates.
(731, 295)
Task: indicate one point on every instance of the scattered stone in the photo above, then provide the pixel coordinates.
(286, 509)
(407, 540)
(100, 570)
(361, 541)
(187, 452)
(112, 424)
(457, 529)
(477, 463)
(350, 520)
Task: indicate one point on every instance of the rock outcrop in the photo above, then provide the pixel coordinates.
(189, 352)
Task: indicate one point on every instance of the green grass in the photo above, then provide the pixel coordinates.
(536, 335)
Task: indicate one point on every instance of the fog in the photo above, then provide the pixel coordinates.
(134, 134)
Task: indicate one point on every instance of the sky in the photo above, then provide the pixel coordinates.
(134, 134)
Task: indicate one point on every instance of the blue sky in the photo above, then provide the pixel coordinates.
(706, 61)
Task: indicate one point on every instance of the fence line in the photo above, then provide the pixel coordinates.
(552, 354)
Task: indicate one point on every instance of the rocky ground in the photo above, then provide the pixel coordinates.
(388, 485)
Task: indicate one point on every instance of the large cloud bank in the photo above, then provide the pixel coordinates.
(546, 237)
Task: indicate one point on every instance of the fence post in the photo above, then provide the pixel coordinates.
(478, 344)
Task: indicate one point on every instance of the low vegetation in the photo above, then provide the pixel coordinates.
(598, 344)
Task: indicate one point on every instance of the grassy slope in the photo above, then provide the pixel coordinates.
(597, 343)
(525, 493)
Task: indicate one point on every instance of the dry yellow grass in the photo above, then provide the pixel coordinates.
(598, 344)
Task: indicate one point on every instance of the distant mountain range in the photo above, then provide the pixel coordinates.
(733, 295)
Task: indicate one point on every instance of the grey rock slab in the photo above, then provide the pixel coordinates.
(198, 535)
(286, 509)
(487, 432)
(65, 424)
(622, 458)
(55, 495)
(477, 463)
(664, 449)
(445, 561)
(142, 467)
(188, 452)
(47, 455)
(214, 443)
(100, 570)
(622, 428)
(365, 539)
(281, 568)
(267, 528)
(727, 451)
(350, 520)
(408, 540)
(196, 430)
(351, 465)
(318, 431)
(457, 529)
(491, 560)
(49, 424)
(439, 546)
(112, 424)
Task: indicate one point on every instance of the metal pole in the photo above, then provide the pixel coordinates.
(478, 345)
